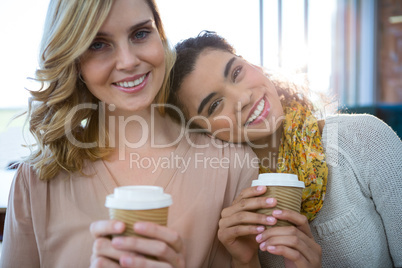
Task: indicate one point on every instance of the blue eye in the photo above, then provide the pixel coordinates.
(97, 46)
(141, 34)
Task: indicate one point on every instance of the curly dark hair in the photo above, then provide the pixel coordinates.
(187, 53)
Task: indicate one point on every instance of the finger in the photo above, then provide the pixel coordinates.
(250, 192)
(297, 257)
(106, 227)
(299, 220)
(296, 240)
(290, 241)
(156, 244)
(103, 248)
(246, 218)
(143, 246)
(293, 256)
(100, 262)
(228, 235)
(249, 204)
(135, 260)
(159, 232)
(284, 231)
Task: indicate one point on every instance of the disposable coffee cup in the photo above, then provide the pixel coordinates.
(287, 190)
(131, 204)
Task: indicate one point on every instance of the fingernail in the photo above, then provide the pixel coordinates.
(260, 229)
(139, 226)
(118, 226)
(271, 248)
(270, 219)
(117, 241)
(126, 261)
(258, 238)
(277, 212)
(260, 188)
(262, 245)
(269, 201)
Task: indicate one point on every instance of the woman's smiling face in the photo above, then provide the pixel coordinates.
(231, 98)
(125, 65)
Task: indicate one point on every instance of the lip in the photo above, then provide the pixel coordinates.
(136, 88)
(263, 114)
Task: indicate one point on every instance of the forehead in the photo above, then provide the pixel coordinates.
(207, 76)
(126, 12)
(212, 60)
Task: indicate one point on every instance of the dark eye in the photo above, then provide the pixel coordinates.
(213, 107)
(236, 73)
(97, 46)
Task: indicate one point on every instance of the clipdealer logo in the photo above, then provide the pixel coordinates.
(197, 161)
(148, 132)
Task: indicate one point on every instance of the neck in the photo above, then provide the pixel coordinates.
(141, 131)
(267, 148)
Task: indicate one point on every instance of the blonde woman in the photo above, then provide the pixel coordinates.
(103, 65)
(350, 164)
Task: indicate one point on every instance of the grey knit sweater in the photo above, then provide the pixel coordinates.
(360, 223)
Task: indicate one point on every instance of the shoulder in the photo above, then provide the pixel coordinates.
(204, 142)
(360, 138)
(237, 157)
(362, 120)
(23, 183)
(25, 173)
(363, 125)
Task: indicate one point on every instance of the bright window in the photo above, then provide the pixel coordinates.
(287, 41)
(21, 29)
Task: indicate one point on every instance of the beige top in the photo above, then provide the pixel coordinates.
(47, 224)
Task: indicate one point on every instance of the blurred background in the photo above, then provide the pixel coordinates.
(349, 50)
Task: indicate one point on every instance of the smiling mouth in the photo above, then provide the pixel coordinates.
(257, 112)
(130, 84)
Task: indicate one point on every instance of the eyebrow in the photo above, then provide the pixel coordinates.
(132, 28)
(205, 101)
(210, 96)
(228, 66)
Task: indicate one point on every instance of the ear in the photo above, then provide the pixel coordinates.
(81, 78)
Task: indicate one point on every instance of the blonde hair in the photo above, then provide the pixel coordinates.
(70, 27)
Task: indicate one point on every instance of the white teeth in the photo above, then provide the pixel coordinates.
(256, 112)
(131, 83)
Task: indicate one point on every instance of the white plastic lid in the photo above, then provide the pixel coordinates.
(278, 179)
(138, 198)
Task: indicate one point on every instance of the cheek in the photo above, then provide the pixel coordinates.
(224, 128)
(277, 109)
(229, 134)
(95, 71)
(218, 127)
(156, 54)
(222, 123)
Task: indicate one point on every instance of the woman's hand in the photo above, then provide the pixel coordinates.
(295, 243)
(239, 225)
(160, 246)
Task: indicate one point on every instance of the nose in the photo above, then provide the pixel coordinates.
(242, 98)
(126, 58)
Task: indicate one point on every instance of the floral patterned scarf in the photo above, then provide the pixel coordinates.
(301, 153)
